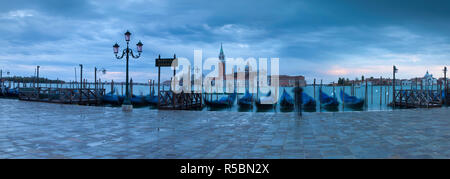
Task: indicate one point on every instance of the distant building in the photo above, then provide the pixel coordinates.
(406, 82)
(222, 64)
(246, 75)
(428, 80)
(289, 81)
(441, 81)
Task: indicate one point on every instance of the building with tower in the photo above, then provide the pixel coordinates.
(222, 63)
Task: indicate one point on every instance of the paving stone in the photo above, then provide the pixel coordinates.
(41, 130)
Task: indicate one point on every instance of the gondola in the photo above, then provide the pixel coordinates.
(151, 99)
(327, 101)
(246, 101)
(223, 102)
(12, 92)
(138, 100)
(351, 101)
(308, 102)
(286, 101)
(266, 102)
(111, 98)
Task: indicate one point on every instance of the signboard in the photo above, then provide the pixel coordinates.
(164, 62)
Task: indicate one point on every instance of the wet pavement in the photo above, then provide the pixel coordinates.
(41, 130)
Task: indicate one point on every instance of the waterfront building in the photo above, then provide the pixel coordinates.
(428, 79)
(406, 82)
(222, 64)
(289, 81)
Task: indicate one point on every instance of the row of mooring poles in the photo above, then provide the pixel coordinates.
(152, 86)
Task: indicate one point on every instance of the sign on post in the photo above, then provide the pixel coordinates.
(164, 62)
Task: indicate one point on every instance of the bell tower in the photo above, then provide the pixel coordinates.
(222, 63)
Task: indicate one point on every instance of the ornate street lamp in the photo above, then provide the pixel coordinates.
(127, 106)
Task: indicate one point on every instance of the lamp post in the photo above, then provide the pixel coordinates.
(126, 106)
(95, 75)
(37, 75)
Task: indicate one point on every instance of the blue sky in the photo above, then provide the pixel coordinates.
(316, 38)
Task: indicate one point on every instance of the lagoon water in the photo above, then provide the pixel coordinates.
(374, 93)
(374, 103)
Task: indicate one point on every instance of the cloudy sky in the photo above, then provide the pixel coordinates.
(316, 38)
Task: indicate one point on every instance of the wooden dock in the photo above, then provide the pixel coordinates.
(85, 96)
(417, 98)
(169, 100)
(182, 101)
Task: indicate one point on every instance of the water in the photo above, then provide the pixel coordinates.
(374, 93)
(374, 103)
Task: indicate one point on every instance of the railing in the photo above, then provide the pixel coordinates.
(181, 101)
(418, 98)
(62, 95)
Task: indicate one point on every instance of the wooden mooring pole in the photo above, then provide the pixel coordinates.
(131, 87)
(343, 101)
(81, 82)
(381, 90)
(37, 75)
(150, 86)
(334, 91)
(314, 86)
(112, 86)
(366, 97)
(386, 94)
(320, 103)
(95, 77)
(371, 92)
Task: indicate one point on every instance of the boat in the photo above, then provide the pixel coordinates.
(308, 102)
(351, 101)
(12, 92)
(266, 102)
(286, 101)
(151, 99)
(223, 102)
(327, 101)
(246, 101)
(111, 98)
(138, 100)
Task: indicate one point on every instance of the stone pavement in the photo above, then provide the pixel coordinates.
(41, 130)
